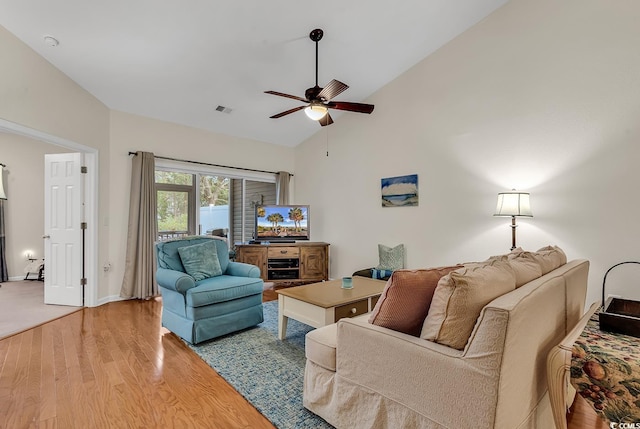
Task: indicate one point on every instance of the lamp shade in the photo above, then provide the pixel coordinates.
(513, 204)
(316, 111)
(3, 196)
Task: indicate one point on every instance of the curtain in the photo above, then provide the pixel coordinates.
(140, 264)
(4, 274)
(282, 187)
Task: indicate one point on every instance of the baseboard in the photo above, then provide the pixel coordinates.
(17, 278)
(108, 299)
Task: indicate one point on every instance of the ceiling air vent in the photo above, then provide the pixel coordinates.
(223, 109)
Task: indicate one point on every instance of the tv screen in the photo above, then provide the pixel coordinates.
(282, 223)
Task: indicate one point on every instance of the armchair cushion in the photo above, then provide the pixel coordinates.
(200, 261)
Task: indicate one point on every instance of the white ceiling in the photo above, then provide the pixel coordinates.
(178, 60)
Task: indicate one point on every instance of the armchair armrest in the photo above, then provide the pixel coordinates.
(174, 280)
(240, 269)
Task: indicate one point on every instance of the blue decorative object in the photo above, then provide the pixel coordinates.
(347, 283)
(380, 274)
(268, 372)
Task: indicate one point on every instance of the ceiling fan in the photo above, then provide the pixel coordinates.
(319, 99)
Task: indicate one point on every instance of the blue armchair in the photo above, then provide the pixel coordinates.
(199, 303)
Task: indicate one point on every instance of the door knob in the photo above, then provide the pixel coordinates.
(46, 236)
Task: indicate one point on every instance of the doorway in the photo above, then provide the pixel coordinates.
(90, 198)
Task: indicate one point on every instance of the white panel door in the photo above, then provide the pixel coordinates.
(63, 215)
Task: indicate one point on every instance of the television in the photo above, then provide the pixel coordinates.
(281, 223)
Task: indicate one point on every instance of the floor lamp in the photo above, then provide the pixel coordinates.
(513, 204)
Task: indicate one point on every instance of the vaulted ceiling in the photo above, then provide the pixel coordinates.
(180, 61)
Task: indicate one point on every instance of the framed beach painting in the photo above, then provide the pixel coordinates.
(400, 191)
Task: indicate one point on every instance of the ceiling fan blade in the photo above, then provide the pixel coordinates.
(351, 107)
(326, 120)
(333, 88)
(281, 94)
(281, 114)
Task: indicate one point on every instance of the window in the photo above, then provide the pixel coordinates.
(204, 201)
(175, 195)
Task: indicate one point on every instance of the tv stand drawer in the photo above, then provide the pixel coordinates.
(283, 252)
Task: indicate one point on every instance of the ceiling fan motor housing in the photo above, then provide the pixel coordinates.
(312, 93)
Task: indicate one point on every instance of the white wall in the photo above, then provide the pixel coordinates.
(541, 96)
(130, 133)
(24, 208)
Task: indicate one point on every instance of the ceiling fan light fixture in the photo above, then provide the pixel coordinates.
(316, 112)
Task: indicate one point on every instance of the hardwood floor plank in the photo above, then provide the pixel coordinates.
(20, 413)
(47, 377)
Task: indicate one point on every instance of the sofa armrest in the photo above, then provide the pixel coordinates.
(430, 378)
(174, 280)
(240, 269)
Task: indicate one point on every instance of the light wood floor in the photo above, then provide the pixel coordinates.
(113, 366)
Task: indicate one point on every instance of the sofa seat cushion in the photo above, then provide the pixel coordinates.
(320, 346)
(406, 298)
(222, 288)
(459, 299)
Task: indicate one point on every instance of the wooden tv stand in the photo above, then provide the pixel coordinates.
(287, 264)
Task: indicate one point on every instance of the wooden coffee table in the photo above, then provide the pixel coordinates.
(324, 303)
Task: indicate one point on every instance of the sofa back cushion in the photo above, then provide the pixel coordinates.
(459, 298)
(550, 258)
(406, 298)
(167, 252)
(525, 268)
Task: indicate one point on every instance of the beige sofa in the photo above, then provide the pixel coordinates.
(360, 375)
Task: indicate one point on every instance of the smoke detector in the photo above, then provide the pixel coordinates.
(51, 41)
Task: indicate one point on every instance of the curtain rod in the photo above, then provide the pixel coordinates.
(211, 165)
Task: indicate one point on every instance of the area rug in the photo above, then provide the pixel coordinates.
(266, 371)
(22, 307)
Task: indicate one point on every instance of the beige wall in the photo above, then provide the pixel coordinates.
(36, 95)
(24, 208)
(133, 133)
(542, 96)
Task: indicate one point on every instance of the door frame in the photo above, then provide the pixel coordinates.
(91, 158)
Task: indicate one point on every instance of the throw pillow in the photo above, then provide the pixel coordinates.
(200, 261)
(550, 258)
(406, 298)
(459, 299)
(390, 258)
